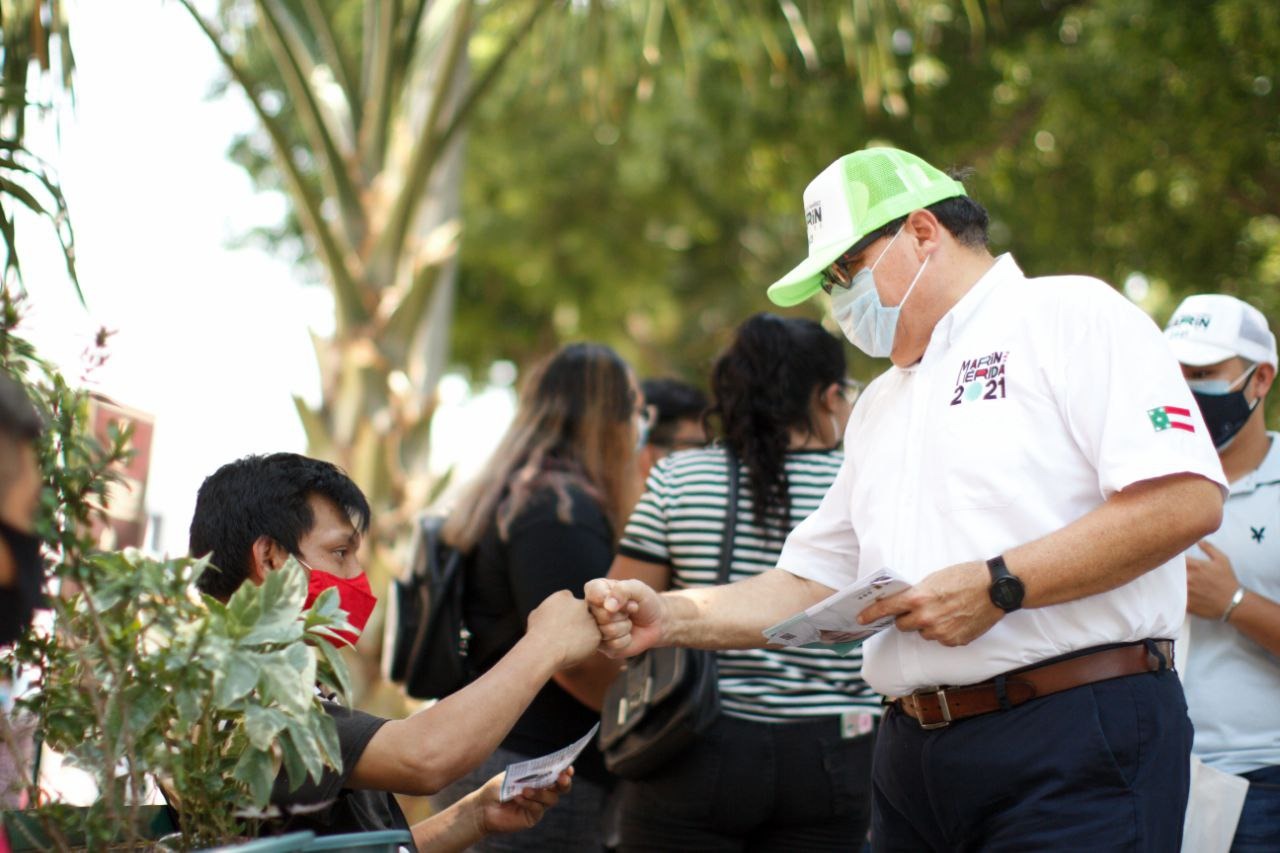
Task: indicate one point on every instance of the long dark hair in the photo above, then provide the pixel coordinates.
(573, 424)
(764, 386)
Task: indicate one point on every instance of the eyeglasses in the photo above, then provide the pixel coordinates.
(837, 274)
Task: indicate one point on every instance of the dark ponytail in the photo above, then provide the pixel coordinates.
(763, 386)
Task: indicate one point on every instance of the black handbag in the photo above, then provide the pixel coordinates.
(666, 697)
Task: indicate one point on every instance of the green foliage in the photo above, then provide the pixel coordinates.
(646, 196)
(142, 677)
(31, 33)
(1106, 138)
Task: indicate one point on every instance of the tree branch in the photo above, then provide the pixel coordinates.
(289, 53)
(351, 310)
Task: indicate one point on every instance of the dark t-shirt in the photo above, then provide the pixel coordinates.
(507, 580)
(18, 602)
(350, 810)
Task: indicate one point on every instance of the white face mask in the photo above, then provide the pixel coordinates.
(868, 324)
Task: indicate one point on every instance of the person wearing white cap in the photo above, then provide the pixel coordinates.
(1232, 674)
(1034, 465)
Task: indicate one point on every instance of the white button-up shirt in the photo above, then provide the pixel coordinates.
(1035, 401)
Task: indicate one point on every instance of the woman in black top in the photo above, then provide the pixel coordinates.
(545, 515)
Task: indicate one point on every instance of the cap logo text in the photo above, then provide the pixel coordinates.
(813, 220)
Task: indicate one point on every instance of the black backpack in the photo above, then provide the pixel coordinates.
(426, 638)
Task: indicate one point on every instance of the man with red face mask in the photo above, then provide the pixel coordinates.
(253, 514)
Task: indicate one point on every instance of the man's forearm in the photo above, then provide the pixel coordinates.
(1136, 530)
(423, 753)
(733, 616)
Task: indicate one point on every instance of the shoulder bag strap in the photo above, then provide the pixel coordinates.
(730, 520)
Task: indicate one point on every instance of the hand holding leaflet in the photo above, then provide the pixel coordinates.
(542, 772)
(833, 622)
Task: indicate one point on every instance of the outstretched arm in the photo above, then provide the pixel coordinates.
(421, 754)
(633, 617)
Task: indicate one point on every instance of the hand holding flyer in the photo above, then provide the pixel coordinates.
(833, 622)
(542, 772)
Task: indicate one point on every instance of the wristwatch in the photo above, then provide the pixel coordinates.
(1006, 590)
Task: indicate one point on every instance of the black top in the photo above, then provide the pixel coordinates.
(507, 580)
(18, 603)
(351, 810)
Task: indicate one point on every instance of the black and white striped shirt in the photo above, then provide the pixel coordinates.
(679, 522)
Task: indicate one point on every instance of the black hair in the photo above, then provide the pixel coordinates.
(967, 220)
(19, 419)
(675, 401)
(763, 386)
(263, 496)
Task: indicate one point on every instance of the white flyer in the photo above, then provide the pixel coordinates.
(542, 772)
(833, 622)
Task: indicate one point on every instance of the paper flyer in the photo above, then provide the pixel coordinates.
(542, 772)
(833, 622)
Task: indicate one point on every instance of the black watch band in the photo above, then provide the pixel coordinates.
(1006, 590)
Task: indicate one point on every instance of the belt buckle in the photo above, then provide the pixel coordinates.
(942, 705)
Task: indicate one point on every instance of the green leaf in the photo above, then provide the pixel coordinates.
(334, 673)
(325, 730)
(293, 587)
(143, 704)
(286, 685)
(301, 740)
(294, 767)
(262, 725)
(284, 628)
(255, 770)
(303, 659)
(238, 678)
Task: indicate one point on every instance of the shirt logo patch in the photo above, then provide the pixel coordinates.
(981, 378)
(1170, 417)
(1257, 533)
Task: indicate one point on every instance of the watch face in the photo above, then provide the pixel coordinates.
(1006, 593)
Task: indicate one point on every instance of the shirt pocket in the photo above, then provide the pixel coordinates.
(979, 450)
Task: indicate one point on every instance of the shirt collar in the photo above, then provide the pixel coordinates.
(1005, 269)
(1267, 472)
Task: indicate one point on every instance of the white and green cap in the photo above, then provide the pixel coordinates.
(853, 197)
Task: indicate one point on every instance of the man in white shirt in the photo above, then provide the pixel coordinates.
(1033, 463)
(1232, 673)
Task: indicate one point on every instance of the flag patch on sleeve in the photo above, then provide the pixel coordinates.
(1170, 417)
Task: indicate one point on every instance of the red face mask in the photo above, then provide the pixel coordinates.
(354, 595)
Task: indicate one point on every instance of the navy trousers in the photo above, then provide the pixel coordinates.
(1103, 767)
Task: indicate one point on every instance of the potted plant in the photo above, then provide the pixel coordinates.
(141, 678)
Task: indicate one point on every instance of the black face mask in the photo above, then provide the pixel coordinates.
(1225, 414)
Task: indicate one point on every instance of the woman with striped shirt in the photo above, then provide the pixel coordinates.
(787, 766)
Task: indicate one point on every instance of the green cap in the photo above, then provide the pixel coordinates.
(852, 197)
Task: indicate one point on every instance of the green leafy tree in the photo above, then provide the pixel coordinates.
(313, 74)
(1106, 138)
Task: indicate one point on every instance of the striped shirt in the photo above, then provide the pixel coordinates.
(679, 523)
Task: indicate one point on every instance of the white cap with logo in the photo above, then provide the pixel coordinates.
(1211, 327)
